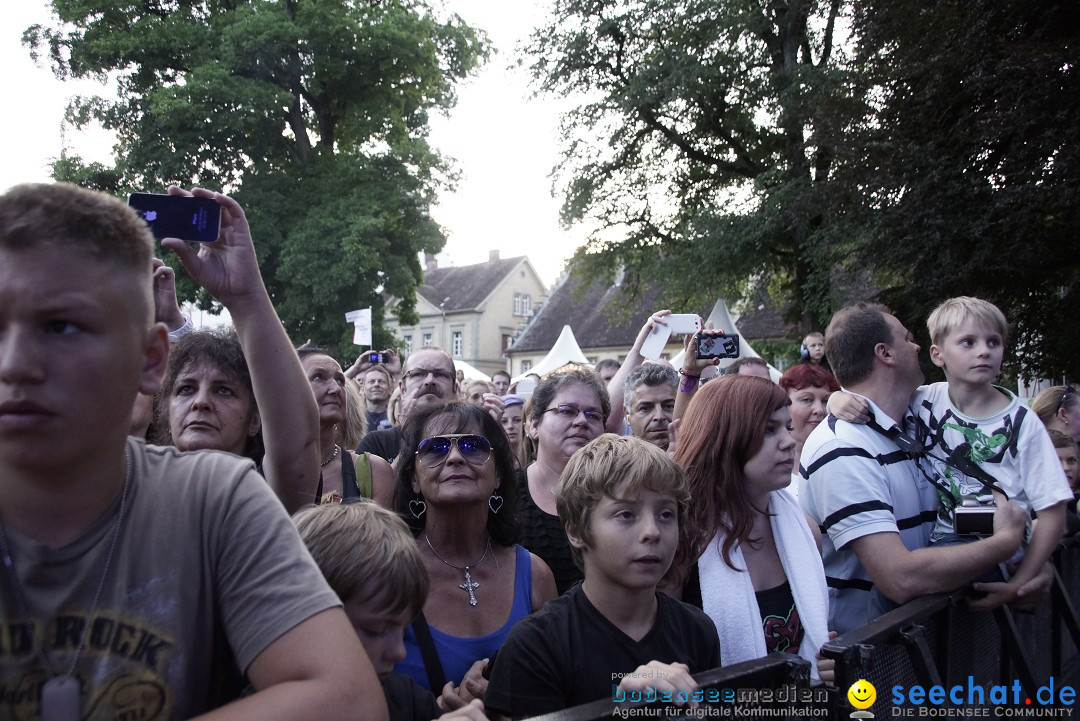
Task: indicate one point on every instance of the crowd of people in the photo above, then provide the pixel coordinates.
(215, 522)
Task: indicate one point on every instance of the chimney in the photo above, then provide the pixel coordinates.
(493, 255)
(429, 261)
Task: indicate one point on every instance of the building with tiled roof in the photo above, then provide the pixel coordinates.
(605, 322)
(472, 311)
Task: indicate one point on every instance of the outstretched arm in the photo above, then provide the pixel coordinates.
(228, 269)
(616, 420)
(692, 366)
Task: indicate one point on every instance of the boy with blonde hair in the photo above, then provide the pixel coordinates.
(971, 427)
(622, 501)
(136, 576)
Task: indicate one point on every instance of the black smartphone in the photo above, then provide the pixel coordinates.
(722, 346)
(179, 216)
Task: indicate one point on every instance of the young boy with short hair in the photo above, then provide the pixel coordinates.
(987, 425)
(131, 576)
(622, 502)
(372, 562)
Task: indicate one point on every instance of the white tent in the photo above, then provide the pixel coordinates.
(721, 320)
(472, 373)
(566, 350)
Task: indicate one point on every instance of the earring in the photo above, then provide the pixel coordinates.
(495, 502)
(417, 508)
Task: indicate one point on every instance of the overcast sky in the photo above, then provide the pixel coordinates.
(505, 145)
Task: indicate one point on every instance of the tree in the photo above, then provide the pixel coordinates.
(705, 148)
(967, 172)
(314, 113)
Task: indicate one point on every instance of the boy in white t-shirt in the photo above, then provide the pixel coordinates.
(970, 418)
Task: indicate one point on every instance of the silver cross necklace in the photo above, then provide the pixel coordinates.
(60, 699)
(469, 584)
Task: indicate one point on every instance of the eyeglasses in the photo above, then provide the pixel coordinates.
(434, 451)
(569, 413)
(439, 373)
(1069, 390)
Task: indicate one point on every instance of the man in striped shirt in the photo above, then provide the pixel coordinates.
(874, 501)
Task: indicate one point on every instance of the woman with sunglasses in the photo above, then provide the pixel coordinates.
(1059, 409)
(568, 410)
(457, 490)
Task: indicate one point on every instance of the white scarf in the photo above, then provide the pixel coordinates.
(728, 598)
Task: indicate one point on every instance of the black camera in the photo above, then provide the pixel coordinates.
(973, 517)
(375, 357)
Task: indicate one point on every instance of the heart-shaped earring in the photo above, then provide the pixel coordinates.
(495, 502)
(417, 508)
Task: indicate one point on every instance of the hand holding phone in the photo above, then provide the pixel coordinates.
(179, 216)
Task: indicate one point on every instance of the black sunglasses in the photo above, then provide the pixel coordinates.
(434, 451)
(1069, 390)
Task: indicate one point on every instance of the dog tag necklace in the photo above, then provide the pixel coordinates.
(60, 699)
(469, 584)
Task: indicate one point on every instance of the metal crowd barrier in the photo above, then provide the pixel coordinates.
(930, 641)
(937, 641)
(778, 680)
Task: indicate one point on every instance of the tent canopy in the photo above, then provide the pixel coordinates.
(472, 373)
(566, 350)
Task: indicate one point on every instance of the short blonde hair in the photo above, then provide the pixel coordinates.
(605, 463)
(366, 553)
(944, 319)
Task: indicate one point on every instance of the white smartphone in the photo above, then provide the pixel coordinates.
(683, 323)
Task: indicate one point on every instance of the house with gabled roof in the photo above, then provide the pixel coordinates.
(605, 321)
(472, 311)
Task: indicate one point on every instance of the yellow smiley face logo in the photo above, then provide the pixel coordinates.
(862, 694)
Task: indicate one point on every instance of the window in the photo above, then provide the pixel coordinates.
(427, 339)
(526, 365)
(507, 340)
(408, 344)
(592, 359)
(456, 343)
(522, 304)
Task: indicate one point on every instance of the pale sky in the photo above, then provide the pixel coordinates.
(504, 144)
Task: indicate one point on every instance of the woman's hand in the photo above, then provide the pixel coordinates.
(226, 268)
(472, 687)
(691, 364)
(826, 667)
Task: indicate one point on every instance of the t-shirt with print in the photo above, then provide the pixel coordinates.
(207, 568)
(1011, 445)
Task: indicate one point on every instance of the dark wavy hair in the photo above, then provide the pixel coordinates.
(462, 417)
(217, 347)
(723, 428)
(547, 389)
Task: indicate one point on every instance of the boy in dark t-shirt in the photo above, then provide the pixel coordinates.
(621, 500)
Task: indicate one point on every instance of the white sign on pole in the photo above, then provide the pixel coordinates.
(361, 320)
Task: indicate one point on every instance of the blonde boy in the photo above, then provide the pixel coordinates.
(989, 426)
(621, 500)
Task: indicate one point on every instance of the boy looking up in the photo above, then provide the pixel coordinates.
(133, 577)
(372, 562)
(990, 427)
(621, 500)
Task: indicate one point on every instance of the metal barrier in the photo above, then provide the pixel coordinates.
(930, 641)
(937, 641)
(779, 675)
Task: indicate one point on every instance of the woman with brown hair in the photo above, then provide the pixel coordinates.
(749, 558)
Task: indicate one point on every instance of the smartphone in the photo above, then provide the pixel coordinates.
(375, 357)
(683, 323)
(179, 216)
(723, 346)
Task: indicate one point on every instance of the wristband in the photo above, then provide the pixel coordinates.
(689, 383)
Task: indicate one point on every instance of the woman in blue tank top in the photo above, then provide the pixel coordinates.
(456, 488)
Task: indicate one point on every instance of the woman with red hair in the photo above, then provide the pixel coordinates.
(808, 387)
(749, 558)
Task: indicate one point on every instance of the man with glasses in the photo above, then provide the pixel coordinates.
(427, 380)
